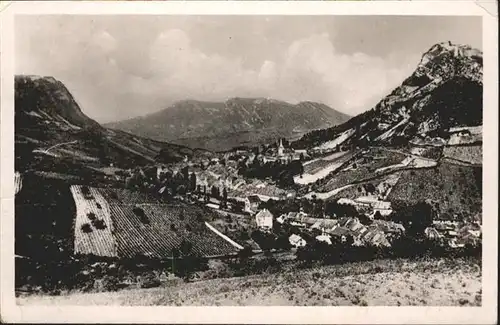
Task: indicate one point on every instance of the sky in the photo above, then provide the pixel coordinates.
(118, 66)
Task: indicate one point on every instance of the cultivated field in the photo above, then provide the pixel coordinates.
(467, 154)
(321, 168)
(363, 170)
(383, 282)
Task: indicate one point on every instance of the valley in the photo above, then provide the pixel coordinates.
(302, 206)
(221, 126)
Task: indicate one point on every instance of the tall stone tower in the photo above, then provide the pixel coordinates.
(281, 149)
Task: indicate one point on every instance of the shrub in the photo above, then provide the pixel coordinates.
(142, 216)
(244, 235)
(138, 211)
(150, 281)
(86, 192)
(91, 216)
(86, 228)
(111, 283)
(113, 195)
(99, 224)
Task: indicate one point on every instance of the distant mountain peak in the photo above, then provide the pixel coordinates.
(446, 60)
(46, 94)
(455, 49)
(35, 77)
(233, 122)
(445, 90)
(48, 117)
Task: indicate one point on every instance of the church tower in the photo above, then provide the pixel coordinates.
(281, 149)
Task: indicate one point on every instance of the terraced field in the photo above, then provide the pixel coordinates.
(122, 223)
(315, 165)
(322, 168)
(363, 170)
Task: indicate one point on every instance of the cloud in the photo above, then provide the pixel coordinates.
(104, 41)
(113, 77)
(309, 69)
(183, 69)
(349, 82)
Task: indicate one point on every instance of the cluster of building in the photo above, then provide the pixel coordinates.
(280, 153)
(370, 205)
(455, 233)
(377, 234)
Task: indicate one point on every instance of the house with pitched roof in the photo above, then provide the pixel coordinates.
(264, 219)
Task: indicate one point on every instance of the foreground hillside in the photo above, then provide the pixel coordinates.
(398, 282)
(221, 126)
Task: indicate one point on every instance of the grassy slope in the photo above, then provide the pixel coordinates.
(456, 188)
(382, 282)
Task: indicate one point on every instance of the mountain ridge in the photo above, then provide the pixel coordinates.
(187, 121)
(445, 90)
(52, 133)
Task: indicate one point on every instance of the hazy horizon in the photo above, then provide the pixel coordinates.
(118, 67)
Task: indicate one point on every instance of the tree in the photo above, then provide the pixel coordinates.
(181, 189)
(192, 182)
(224, 198)
(150, 173)
(185, 247)
(166, 156)
(370, 188)
(205, 193)
(215, 192)
(415, 218)
(244, 255)
(188, 262)
(185, 175)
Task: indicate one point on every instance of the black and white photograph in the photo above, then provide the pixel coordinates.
(248, 160)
